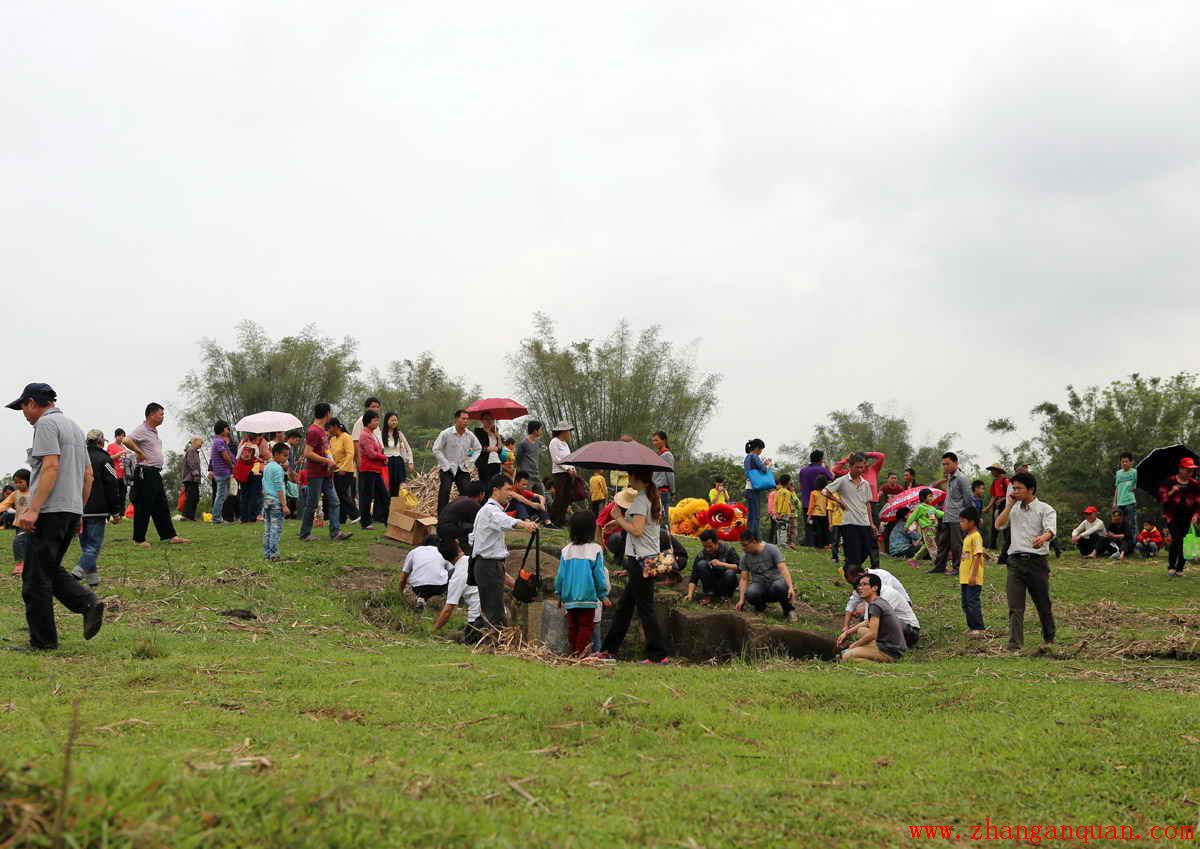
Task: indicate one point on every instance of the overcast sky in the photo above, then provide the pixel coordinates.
(957, 208)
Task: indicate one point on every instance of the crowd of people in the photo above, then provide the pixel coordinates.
(326, 475)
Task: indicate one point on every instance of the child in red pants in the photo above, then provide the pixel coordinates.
(581, 582)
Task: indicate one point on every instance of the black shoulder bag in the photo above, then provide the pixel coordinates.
(528, 585)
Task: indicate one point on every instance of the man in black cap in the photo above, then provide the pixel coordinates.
(61, 482)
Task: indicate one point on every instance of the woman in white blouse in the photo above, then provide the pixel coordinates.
(399, 454)
(560, 447)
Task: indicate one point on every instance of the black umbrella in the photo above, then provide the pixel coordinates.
(1159, 465)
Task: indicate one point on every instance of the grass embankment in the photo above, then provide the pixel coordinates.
(309, 726)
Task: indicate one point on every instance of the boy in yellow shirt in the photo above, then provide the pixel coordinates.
(970, 570)
(718, 494)
(598, 487)
(784, 511)
(835, 513)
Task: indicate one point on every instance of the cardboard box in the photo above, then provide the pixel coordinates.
(406, 526)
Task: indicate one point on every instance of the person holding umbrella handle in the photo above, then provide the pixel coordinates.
(1180, 499)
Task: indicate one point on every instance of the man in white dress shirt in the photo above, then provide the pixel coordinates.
(1033, 525)
(455, 450)
(490, 551)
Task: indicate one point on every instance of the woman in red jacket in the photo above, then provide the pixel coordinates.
(1180, 499)
(371, 463)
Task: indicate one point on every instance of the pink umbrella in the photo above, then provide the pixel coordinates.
(267, 421)
(617, 454)
(502, 409)
(909, 498)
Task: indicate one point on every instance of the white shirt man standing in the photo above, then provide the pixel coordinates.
(489, 550)
(455, 451)
(1033, 525)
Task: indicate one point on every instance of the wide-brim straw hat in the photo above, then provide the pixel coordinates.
(625, 498)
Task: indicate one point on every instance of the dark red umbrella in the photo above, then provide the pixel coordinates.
(618, 454)
(502, 409)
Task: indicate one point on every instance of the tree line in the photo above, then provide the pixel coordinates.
(637, 382)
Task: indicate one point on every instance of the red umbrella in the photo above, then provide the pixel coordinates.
(617, 454)
(502, 409)
(909, 498)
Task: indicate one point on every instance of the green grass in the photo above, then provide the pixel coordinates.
(385, 737)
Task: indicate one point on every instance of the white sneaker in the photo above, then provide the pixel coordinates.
(420, 603)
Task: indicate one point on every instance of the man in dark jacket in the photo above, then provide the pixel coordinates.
(192, 473)
(103, 503)
(716, 570)
(457, 519)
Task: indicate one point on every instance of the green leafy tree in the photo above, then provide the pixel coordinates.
(622, 384)
(926, 461)
(421, 392)
(696, 477)
(864, 429)
(258, 373)
(1081, 442)
(1008, 454)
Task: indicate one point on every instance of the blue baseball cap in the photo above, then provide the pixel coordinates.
(43, 393)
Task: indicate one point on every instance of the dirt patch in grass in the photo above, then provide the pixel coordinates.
(1176, 677)
(1110, 630)
(362, 580)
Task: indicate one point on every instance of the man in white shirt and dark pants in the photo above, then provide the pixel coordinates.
(1033, 524)
(490, 550)
(455, 450)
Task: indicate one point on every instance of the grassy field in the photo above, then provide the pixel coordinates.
(313, 727)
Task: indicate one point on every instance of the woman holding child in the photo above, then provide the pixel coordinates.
(755, 467)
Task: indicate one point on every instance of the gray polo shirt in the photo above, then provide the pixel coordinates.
(55, 434)
(958, 496)
(856, 497)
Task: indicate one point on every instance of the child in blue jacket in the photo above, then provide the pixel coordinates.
(582, 582)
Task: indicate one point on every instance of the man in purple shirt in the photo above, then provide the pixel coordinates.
(807, 478)
(220, 468)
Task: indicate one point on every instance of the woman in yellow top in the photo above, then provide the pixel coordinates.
(341, 448)
(718, 494)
